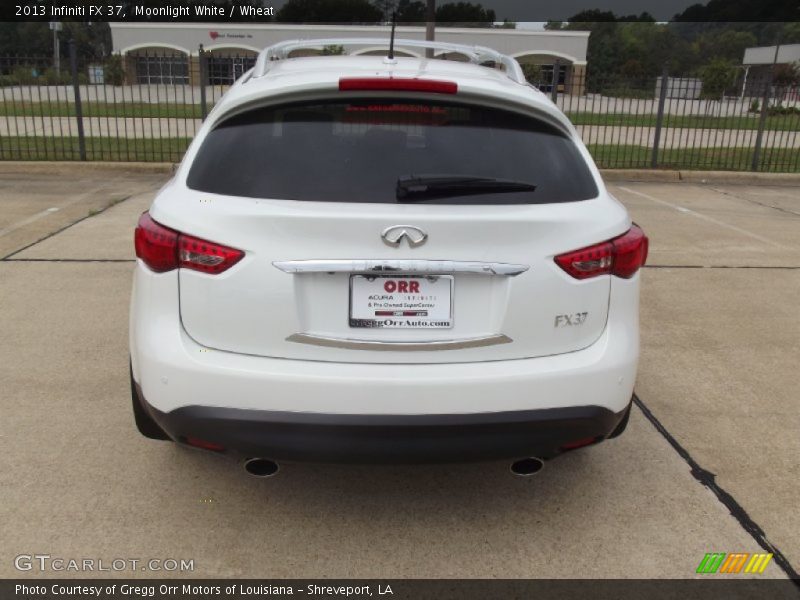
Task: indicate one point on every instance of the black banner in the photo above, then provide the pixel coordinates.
(475, 13)
(394, 589)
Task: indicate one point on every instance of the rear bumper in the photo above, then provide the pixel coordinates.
(340, 438)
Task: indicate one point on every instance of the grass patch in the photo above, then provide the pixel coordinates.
(97, 148)
(9, 108)
(607, 156)
(774, 122)
(773, 160)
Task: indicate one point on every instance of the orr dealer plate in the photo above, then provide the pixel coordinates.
(401, 302)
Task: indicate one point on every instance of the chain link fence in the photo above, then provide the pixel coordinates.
(147, 106)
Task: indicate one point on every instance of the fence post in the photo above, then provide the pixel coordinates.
(554, 90)
(762, 121)
(76, 88)
(662, 101)
(202, 65)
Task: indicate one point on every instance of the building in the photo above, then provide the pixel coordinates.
(157, 53)
(758, 62)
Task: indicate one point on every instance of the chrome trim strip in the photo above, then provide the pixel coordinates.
(377, 266)
(330, 342)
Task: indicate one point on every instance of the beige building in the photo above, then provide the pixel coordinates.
(169, 52)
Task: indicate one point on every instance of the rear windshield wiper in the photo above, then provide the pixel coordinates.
(413, 188)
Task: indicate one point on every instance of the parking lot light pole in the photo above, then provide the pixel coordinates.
(56, 27)
(662, 101)
(430, 25)
(201, 60)
(762, 121)
(73, 63)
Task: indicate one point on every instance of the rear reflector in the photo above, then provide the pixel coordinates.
(621, 256)
(205, 445)
(579, 443)
(397, 84)
(163, 249)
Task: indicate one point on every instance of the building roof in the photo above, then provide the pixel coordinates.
(765, 55)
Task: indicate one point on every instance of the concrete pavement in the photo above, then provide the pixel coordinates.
(720, 346)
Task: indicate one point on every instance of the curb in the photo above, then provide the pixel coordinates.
(701, 177)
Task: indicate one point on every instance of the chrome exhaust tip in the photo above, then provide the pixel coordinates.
(527, 467)
(261, 467)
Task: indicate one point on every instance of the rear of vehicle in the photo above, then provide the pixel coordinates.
(363, 263)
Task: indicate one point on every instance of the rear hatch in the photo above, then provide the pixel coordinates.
(393, 230)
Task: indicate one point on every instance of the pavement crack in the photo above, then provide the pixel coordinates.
(65, 227)
(708, 479)
(751, 201)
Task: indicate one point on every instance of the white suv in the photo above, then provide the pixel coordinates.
(371, 259)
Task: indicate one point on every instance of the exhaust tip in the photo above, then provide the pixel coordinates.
(525, 467)
(260, 467)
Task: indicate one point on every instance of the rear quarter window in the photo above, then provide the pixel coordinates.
(356, 150)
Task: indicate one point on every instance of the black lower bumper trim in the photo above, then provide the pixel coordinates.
(343, 438)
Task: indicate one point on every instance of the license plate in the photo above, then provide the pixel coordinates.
(401, 302)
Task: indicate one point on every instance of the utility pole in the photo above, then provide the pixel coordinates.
(56, 27)
(430, 26)
(762, 121)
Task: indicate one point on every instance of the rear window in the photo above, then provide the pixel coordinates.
(356, 151)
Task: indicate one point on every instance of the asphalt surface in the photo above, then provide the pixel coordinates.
(708, 464)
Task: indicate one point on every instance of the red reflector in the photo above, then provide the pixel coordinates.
(198, 443)
(621, 256)
(347, 84)
(579, 443)
(163, 249)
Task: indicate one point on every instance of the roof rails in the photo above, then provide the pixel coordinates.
(476, 54)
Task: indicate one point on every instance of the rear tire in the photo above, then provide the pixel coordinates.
(622, 425)
(144, 422)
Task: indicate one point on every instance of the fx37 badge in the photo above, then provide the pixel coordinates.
(571, 320)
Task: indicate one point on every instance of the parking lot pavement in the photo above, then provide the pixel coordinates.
(721, 345)
(35, 206)
(76, 479)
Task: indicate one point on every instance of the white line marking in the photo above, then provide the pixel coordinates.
(706, 218)
(31, 219)
(48, 211)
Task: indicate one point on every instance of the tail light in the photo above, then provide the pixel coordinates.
(163, 249)
(622, 256)
(397, 84)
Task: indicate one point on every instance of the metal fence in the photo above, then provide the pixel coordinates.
(147, 107)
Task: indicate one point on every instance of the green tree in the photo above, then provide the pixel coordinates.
(718, 76)
(410, 11)
(464, 14)
(333, 50)
(723, 44)
(329, 11)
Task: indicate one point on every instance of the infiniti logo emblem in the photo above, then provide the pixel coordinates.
(414, 236)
